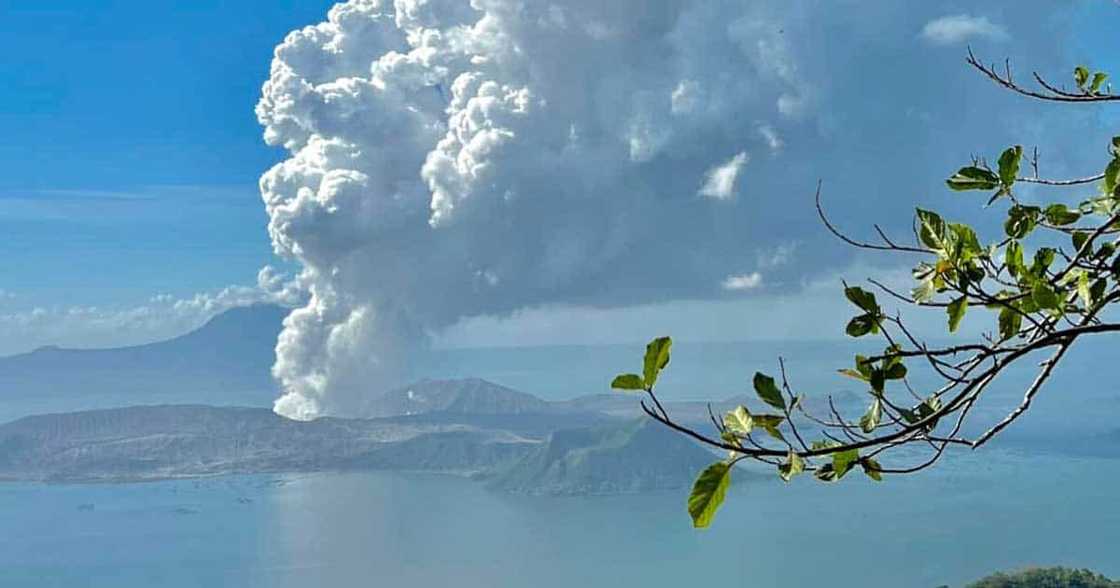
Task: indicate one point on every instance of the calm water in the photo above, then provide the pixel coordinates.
(992, 511)
(995, 509)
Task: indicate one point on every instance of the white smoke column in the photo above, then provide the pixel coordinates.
(452, 159)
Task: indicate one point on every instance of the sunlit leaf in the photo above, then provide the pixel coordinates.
(973, 178)
(842, 461)
(739, 420)
(1081, 76)
(872, 417)
(628, 382)
(656, 358)
(931, 229)
(792, 466)
(1098, 79)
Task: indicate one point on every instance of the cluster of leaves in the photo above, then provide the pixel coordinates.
(1045, 280)
(1089, 85)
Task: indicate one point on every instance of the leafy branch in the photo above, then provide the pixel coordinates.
(1042, 285)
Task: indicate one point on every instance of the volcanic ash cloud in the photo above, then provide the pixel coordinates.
(449, 160)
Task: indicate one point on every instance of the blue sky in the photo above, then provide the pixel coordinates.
(131, 157)
(131, 153)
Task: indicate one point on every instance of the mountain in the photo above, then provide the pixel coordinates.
(226, 361)
(470, 396)
(636, 456)
(155, 442)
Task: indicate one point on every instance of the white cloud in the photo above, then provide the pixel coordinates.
(772, 138)
(450, 159)
(959, 28)
(742, 282)
(720, 181)
(777, 257)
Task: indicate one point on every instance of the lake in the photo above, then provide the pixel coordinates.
(986, 511)
(1006, 506)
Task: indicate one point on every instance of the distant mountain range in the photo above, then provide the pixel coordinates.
(170, 409)
(227, 361)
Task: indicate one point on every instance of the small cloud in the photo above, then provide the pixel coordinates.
(720, 181)
(743, 282)
(958, 28)
(772, 138)
(686, 97)
(779, 256)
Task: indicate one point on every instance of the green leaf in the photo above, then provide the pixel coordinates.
(872, 417)
(842, 461)
(1083, 289)
(768, 391)
(1079, 238)
(862, 298)
(872, 469)
(863, 365)
(956, 311)
(657, 357)
(1009, 165)
(853, 374)
(1081, 76)
(793, 466)
(1044, 296)
(1098, 79)
(897, 371)
(825, 473)
(1111, 177)
(973, 178)
(878, 381)
(931, 229)
(1042, 260)
(707, 493)
(822, 444)
(1061, 215)
(1096, 291)
(1010, 321)
(1114, 147)
(862, 325)
(1021, 220)
(1013, 258)
(967, 244)
(628, 382)
(770, 424)
(739, 420)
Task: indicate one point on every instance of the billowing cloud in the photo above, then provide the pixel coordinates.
(450, 160)
(960, 28)
(721, 181)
